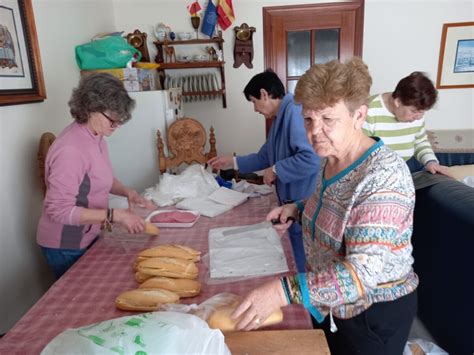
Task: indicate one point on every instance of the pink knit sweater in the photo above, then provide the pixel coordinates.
(78, 175)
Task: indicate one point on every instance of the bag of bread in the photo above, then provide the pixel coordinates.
(216, 311)
(148, 333)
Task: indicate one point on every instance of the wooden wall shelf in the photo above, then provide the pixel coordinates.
(218, 41)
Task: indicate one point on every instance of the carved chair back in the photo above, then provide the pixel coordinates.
(186, 139)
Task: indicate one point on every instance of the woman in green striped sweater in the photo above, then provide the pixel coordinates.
(397, 118)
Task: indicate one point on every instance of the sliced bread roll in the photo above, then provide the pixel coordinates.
(170, 267)
(182, 287)
(220, 318)
(144, 299)
(171, 251)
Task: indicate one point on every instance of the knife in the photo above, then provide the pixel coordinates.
(254, 227)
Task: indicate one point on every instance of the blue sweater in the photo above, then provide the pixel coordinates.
(288, 149)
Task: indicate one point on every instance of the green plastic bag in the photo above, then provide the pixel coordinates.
(107, 53)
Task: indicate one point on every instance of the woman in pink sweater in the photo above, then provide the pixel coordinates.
(79, 175)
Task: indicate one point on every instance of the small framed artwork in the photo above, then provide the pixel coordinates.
(21, 74)
(456, 56)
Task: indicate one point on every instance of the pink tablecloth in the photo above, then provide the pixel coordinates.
(86, 293)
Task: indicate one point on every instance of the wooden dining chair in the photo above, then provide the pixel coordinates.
(185, 140)
(45, 142)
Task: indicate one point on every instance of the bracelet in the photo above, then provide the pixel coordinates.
(107, 222)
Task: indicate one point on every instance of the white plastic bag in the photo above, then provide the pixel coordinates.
(148, 333)
(193, 182)
(206, 308)
(420, 346)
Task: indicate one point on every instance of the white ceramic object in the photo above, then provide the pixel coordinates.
(184, 36)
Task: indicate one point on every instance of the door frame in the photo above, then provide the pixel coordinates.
(280, 12)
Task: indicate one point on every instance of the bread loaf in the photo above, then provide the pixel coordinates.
(141, 277)
(170, 267)
(182, 287)
(171, 251)
(151, 229)
(220, 318)
(144, 299)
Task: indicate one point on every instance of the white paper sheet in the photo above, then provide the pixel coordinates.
(252, 253)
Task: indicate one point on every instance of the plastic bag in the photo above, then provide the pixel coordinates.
(107, 53)
(193, 182)
(422, 347)
(148, 333)
(206, 308)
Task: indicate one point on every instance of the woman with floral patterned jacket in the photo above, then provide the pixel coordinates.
(359, 283)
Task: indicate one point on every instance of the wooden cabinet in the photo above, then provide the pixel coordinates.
(169, 64)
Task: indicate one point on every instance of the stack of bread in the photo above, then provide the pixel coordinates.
(165, 274)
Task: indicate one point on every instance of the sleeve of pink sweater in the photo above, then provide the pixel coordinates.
(65, 172)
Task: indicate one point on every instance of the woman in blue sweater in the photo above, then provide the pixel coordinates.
(287, 158)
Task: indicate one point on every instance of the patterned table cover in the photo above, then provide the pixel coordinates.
(86, 293)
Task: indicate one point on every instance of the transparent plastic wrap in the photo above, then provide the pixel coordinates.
(148, 333)
(216, 311)
(239, 253)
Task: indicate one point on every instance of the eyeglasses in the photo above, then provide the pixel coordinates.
(113, 123)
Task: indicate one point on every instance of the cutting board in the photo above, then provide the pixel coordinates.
(276, 342)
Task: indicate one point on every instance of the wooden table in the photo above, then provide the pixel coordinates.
(86, 293)
(278, 342)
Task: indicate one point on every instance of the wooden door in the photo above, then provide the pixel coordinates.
(295, 37)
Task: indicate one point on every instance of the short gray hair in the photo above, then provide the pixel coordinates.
(100, 92)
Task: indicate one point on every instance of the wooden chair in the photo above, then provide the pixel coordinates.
(45, 142)
(186, 139)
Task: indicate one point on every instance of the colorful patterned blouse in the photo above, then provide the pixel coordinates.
(356, 231)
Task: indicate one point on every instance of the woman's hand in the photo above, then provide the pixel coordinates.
(134, 198)
(269, 176)
(435, 168)
(221, 162)
(259, 304)
(282, 214)
(131, 221)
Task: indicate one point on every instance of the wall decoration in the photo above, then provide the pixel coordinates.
(21, 74)
(456, 56)
(243, 45)
(138, 40)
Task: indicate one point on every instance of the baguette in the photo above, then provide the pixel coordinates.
(151, 229)
(182, 287)
(220, 318)
(170, 267)
(141, 277)
(144, 299)
(171, 251)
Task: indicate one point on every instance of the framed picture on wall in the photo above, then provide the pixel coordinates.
(456, 56)
(21, 74)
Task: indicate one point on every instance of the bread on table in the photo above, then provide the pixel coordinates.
(171, 251)
(141, 277)
(170, 267)
(151, 229)
(145, 299)
(182, 287)
(220, 318)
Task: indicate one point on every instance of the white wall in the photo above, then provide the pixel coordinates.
(402, 36)
(399, 37)
(61, 24)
